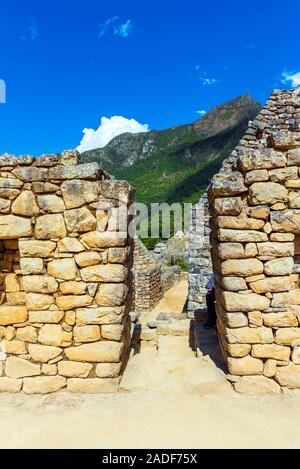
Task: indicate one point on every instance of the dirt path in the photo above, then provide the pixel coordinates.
(148, 420)
(170, 398)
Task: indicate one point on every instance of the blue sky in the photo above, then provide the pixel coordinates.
(68, 63)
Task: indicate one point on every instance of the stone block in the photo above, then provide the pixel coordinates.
(43, 353)
(43, 384)
(34, 248)
(73, 301)
(80, 220)
(12, 226)
(63, 269)
(267, 193)
(104, 351)
(19, 368)
(70, 245)
(10, 385)
(97, 239)
(37, 301)
(237, 302)
(88, 258)
(51, 334)
(39, 284)
(228, 206)
(87, 333)
(287, 335)
(25, 205)
(242, 267)
(71, 369)
(108, 370)
(78, 192)
(101, 315)
(256, 386)
(12, 314)
(288, 376)
(104, 273)
(284, 319)
(245, 366)
(50, 226)
(241, 236)
(31, 265)
(51, 203)
(111, 294)
(250, 335)
(273, 351)
(271, 284)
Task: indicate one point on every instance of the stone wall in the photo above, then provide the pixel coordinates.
(200, 265)
(65, 275)
(147, 279)
(255, 221)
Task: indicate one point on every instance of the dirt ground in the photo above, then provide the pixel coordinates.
(172, 398)
(148, 420)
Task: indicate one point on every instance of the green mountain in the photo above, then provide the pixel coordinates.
(176, 164)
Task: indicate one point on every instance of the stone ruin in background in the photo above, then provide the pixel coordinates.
(255, 222)
(66, 279)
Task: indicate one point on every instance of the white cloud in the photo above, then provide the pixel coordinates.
(124, 29)
(293, 78)
(201, 112)
(108, 129)
(208, 81)
(115, 26)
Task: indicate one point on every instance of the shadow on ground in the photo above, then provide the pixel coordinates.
(205, 340)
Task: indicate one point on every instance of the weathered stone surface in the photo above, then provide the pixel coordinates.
(92, 385)
(12, 227)
(238, 350)
(118, 255)
(257, 175)
(255, 318)
(112, 331)
(228, 184)
(104, 351)
(49, 370)
(39, 284)
(111, 294)
(72, 301)
(104, 273)
(73, 288)
(287, 335)
(270, 368)
(294, 199)
(293, 157)
(71, 369)
(242, 267)
(286, 221)
(80, 171)
(85, 259)
(296, 356)
(78, 192)
(283, 174)
(80, 220)
(46, 317)
(241, 236)
(260, 211)
(10, 314)
(276, 352)
(284, 140)
(63, 269)
(234, 283)
(264, 158)
(228, 206)
(19, 368)
(31, 265)
(15, 347)
(10, 385)
(97, 239)
(280, 266)
(31, 174)
(101, 315)
(11, 283)
(25, 204)
(284, 319)
(288, 376)
(244, 302)
(267, 193)
(70, 245)
(249, 335)
(245, 366)
(27, 334)
(37, 301)
(51, 334)
(51, 203)
(108, 370)
(43, 384)
(50, 226)
(276, 249)
(43, 353)
(5, 205)
(280, 300)
(239, 223)
(256, 386)
(42, 187)
(271, 284)
(86, 333)
(34, 248)
(236, 320)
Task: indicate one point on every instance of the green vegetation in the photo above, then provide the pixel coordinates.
(180, 263)
(177, 164)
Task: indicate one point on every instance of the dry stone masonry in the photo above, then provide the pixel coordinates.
(65, 275)
(255, 221)
(200, 265)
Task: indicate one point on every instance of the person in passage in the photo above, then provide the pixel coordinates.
(210, 303)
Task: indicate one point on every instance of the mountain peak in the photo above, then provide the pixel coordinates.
(227, 115)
